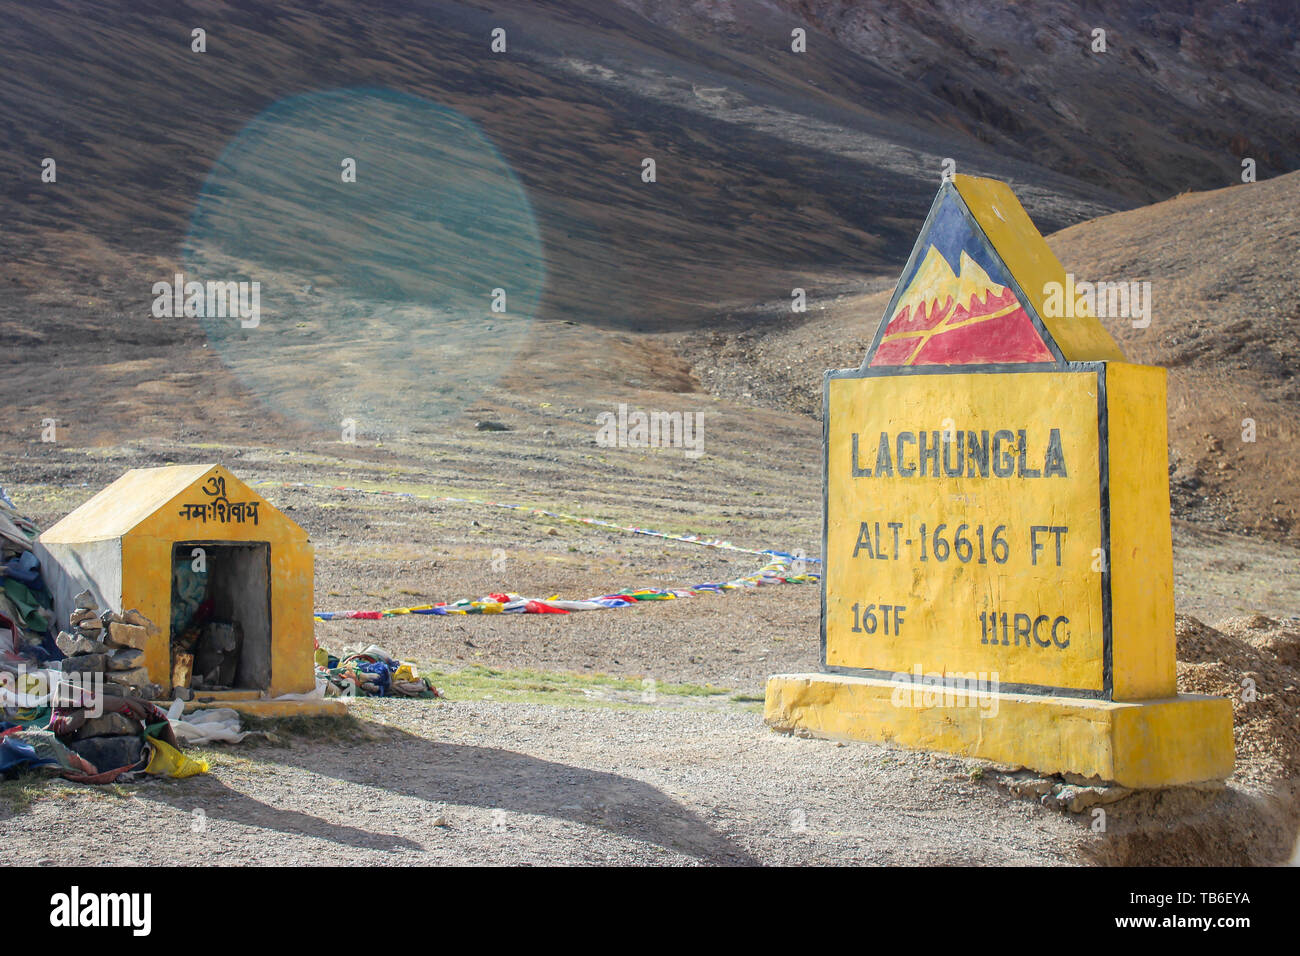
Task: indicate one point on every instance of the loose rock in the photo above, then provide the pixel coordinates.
(137, 677)
(85, 663)
(126, 659)
(128, 635)
(74, 644)
(133, 616)
(110, 753)
(109, 725)
(1035, 787)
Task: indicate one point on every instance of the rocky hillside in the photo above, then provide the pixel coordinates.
(1183, 92)
(524, 169)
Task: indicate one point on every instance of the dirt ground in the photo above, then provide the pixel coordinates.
(548, 746)
(496, 783)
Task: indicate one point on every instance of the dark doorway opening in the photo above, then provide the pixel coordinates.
(221, 615)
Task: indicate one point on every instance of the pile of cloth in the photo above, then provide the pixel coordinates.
(371, 672)
(89, 737)
(209, 725)
(26, 608)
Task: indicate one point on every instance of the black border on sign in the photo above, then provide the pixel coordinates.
(1103, 461)
(950, 188)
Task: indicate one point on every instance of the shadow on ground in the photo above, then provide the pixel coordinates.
(459, 774)
(222, 802)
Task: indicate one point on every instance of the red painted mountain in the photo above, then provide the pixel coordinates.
(962, 318)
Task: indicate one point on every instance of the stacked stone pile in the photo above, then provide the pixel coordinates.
(108, 643)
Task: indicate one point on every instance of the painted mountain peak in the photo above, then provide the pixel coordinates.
(958, 318)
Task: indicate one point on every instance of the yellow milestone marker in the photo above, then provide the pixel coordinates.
(998, 560)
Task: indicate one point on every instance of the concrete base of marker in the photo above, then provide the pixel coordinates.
(1151, 743)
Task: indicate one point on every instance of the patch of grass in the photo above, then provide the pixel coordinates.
(19, 793)
(341, 728)
(229, 760)
(478, 682)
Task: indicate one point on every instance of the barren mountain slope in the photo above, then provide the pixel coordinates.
(519, 170)
(1182, 93)
(768, 164)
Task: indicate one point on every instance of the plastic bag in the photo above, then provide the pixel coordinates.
(170, 762)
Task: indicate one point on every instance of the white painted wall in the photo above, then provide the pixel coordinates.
(69, 569)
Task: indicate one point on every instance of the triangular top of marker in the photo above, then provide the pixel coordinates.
(976, 291)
